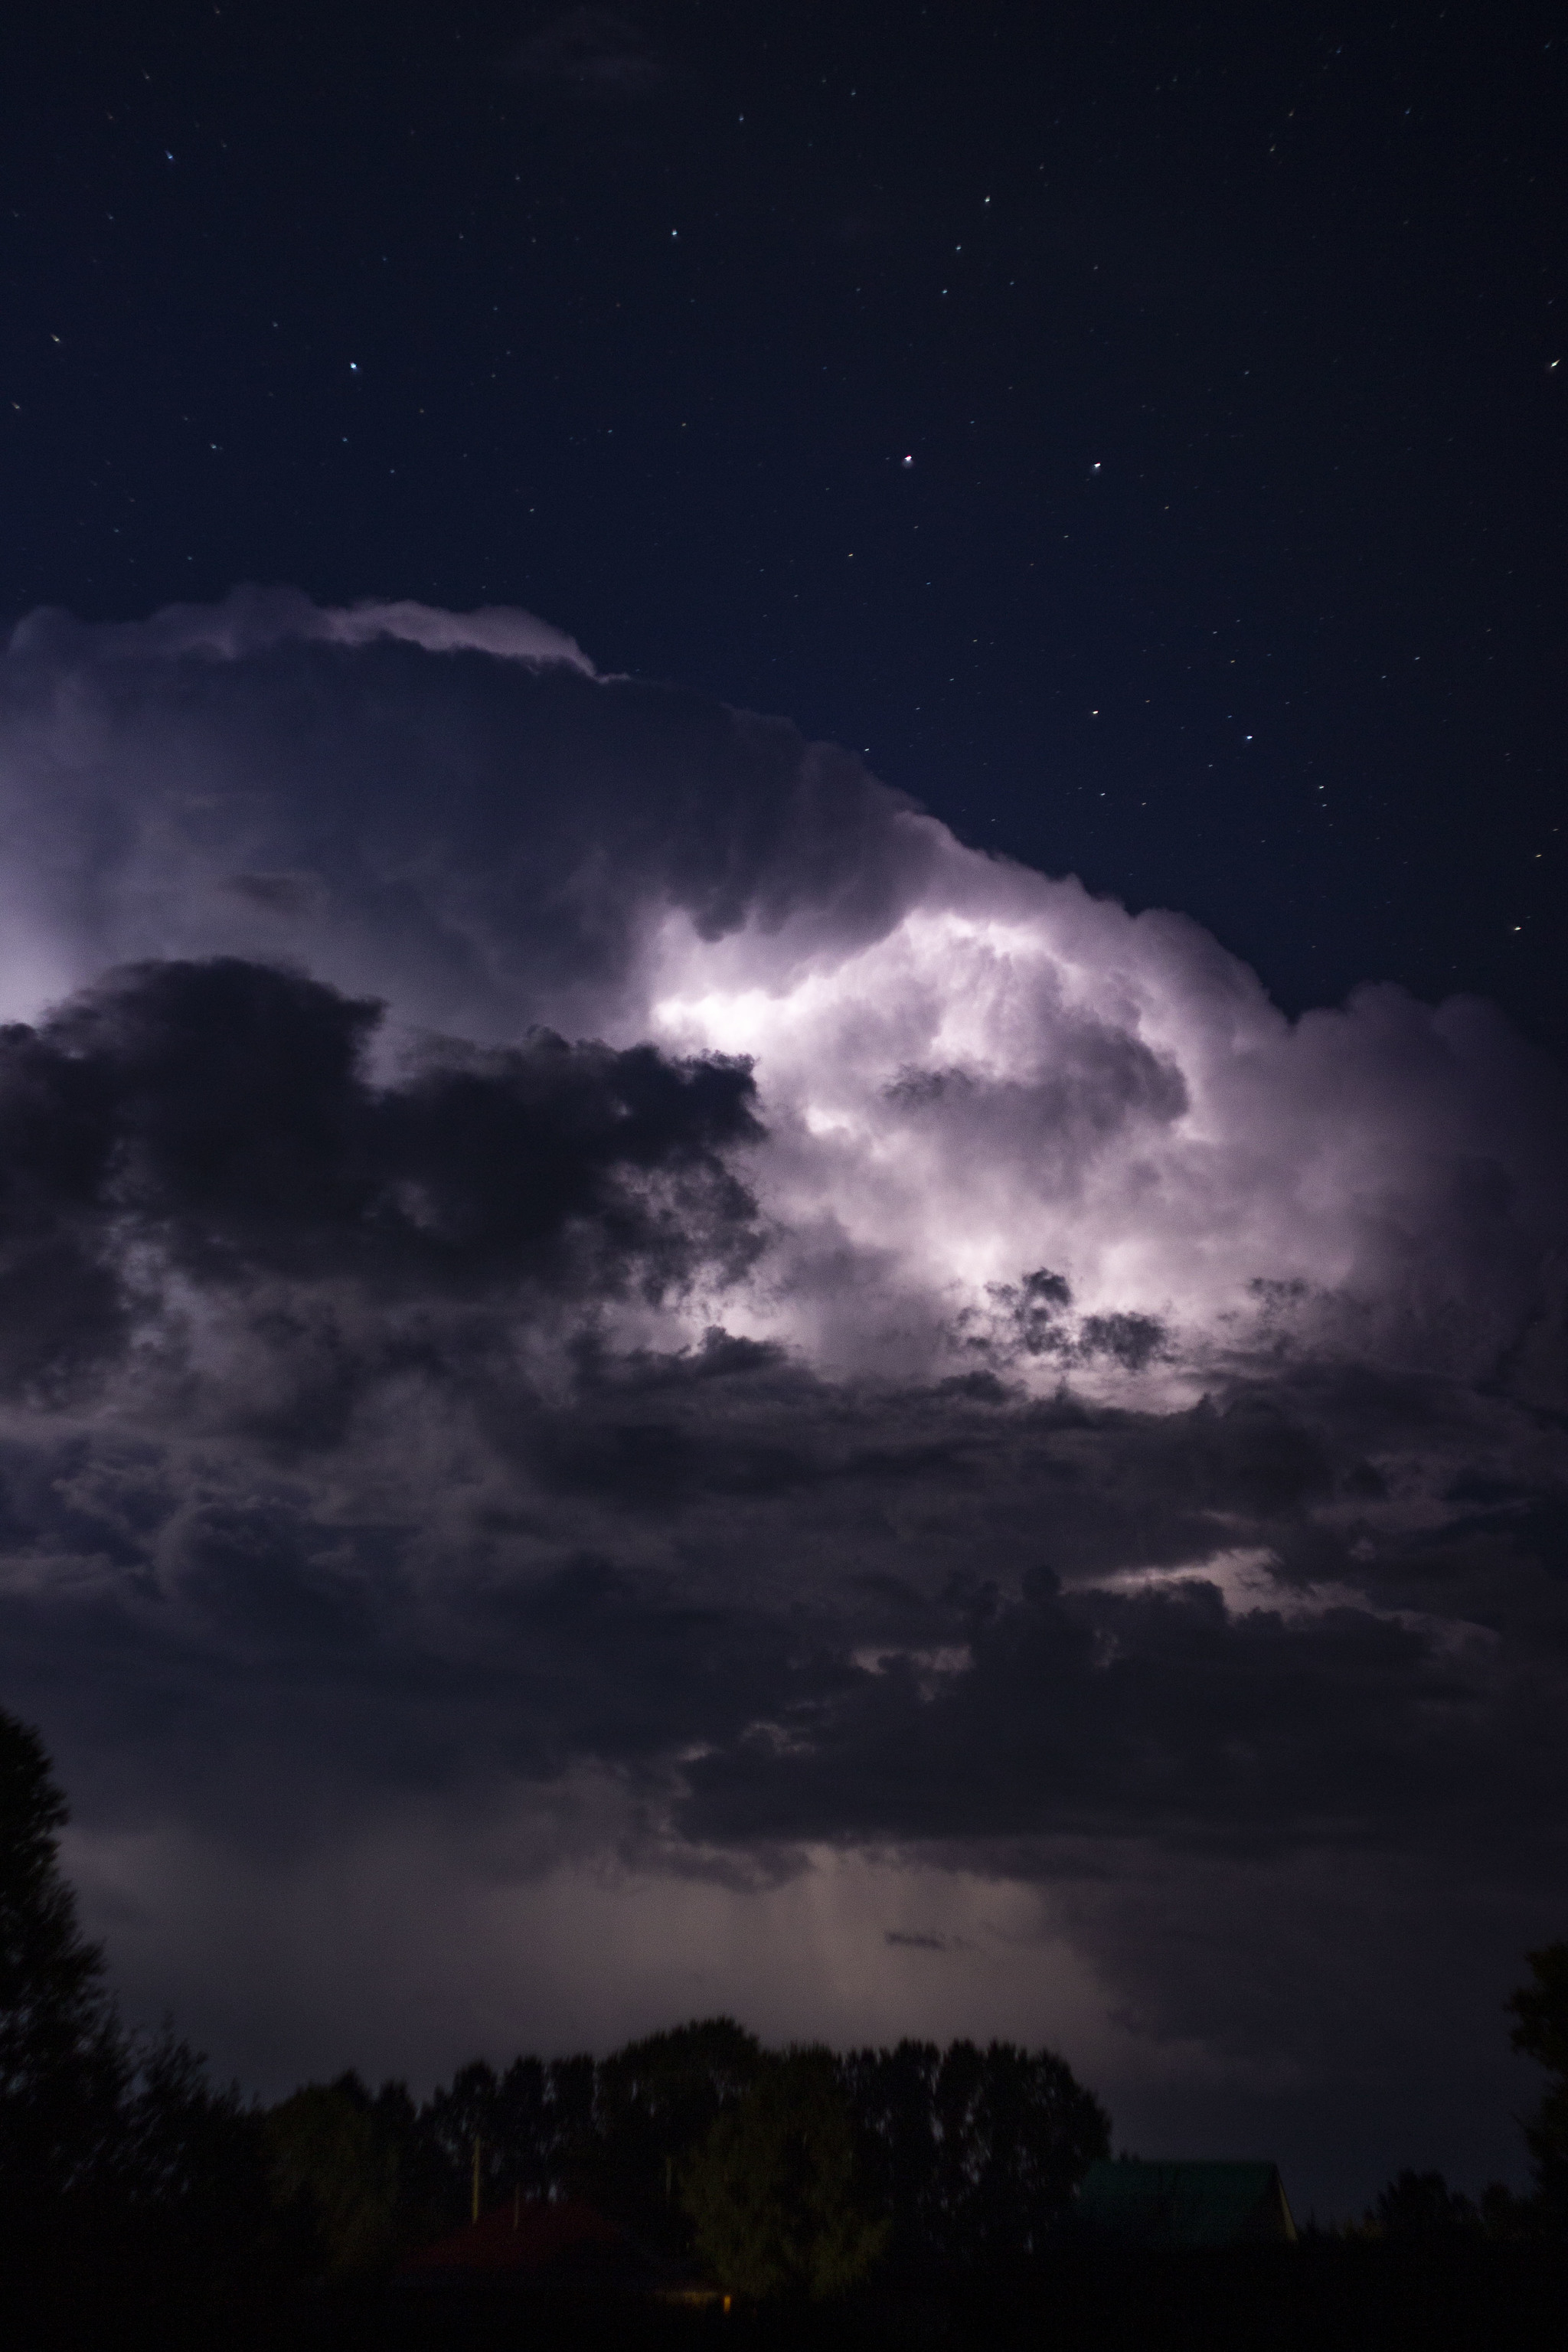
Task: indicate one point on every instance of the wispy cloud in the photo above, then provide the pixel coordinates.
(600, 51)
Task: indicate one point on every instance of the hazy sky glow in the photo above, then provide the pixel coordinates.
(924, 1460)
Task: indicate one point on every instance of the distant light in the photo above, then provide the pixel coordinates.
(909, 461)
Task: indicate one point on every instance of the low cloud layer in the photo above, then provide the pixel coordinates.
(590, 1300)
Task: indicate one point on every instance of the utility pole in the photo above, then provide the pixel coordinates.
(478, 2145)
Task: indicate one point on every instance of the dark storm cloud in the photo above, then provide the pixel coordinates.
(1156, 1712)
(948, 1684)
(220, 1114)
(833, 1601)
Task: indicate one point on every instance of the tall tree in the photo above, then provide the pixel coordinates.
(774, 2192)
(1539, 2010)
(63, 2065)
(534, 2126)
(334, 2164)
(974, 2154)
(654, 2103)
(1420, 2209)
(893, 2096)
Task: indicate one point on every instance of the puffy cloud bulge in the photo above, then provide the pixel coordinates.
(568, 1255)
(968, 1071)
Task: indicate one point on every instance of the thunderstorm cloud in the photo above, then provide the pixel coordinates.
(630, 1381)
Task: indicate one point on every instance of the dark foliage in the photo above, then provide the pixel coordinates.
(184, 2148)
(533, 2124)
(1540, 2011)
(62, 2065)
(970, 2154)
(107, 2141)
(1419, 2208)
(777, 2194)
(974, 2153)
(334, 2168)
(618, 2131)
(655, 2103)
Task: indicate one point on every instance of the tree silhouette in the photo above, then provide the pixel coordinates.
(654, 2103)
(974, 2154)
(63, 2065)
(332, 2163)
(1539, 2010)
(1420, 2209)
(774, 2190)
(534, 2125)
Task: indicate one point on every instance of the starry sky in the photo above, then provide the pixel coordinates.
(781, 1117)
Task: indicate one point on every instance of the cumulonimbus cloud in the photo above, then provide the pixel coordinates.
(592, 1230)
(971, 1072)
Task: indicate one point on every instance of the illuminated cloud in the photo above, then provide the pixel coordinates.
(591, 1301)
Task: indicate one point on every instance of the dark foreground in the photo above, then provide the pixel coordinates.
(1339, 2297)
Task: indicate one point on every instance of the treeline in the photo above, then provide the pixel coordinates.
(945, 2159)
(776, 2171)
(800, 2171)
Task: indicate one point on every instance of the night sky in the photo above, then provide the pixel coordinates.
(1227, 572)
(646, 1365)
